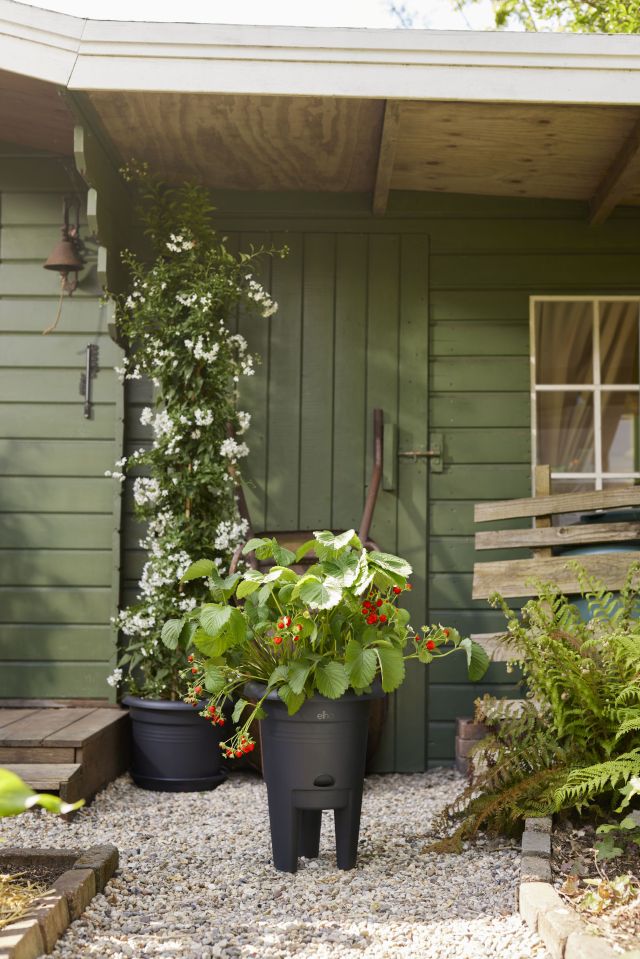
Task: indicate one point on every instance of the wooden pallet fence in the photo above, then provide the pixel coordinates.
(518, 577)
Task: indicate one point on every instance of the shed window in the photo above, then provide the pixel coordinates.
(585, 390)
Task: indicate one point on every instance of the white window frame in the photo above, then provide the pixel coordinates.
(598, 475)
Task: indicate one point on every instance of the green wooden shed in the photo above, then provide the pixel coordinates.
(463, 217)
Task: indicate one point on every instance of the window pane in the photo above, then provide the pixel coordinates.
(620, 432)
(571, 486)
(621, 484)
(619, 343)
(565, 432)
(564, 335)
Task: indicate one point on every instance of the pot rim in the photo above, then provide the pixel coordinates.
(160, 705)
(350, 696)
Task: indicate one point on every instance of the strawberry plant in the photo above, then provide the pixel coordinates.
(335, 626)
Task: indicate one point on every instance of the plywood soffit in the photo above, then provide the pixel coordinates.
(501, 149)
(248, 143)
(32, 114)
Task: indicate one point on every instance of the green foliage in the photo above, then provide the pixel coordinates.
(17, 797)
(178, 321)
(334, 627)
(571, 743)
(625, 831)
(577, 16)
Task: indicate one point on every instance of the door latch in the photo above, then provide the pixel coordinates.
(433, 454)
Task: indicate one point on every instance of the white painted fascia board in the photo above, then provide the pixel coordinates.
(404, 64)
(368, 81)
(38, 43)
(313, 61)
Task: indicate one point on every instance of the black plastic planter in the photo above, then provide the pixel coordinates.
(174, 749)
(314, 760)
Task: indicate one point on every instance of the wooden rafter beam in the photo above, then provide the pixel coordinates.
(386, 156)
(613, 183)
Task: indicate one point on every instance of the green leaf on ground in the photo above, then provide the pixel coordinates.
(16, 797)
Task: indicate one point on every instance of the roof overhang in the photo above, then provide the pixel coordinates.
(85, 54)
(343, 110)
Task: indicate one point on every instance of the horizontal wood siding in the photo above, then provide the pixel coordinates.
(350, 285)
(58, 560)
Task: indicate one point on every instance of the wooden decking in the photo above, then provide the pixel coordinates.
(71, 750)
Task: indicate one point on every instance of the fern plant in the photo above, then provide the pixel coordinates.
(572, 742)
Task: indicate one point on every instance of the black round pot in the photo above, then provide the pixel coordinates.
(174, 749)
(314, 760)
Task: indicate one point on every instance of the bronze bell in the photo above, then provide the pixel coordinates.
(65, 259)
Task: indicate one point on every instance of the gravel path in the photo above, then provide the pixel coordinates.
(195, 880)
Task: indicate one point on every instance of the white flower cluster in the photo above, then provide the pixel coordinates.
(178, 244)
(115, 677)
(124, 372)
(200, 351)
(136, 297)
(228, 534)
(203, 417)
(146, 490)
(239, 342)
(259, 295)
(187, 299)
(246, 365)
(162, 424)
(233, 450)
(244, 421)
(117, 473)
(146, 417)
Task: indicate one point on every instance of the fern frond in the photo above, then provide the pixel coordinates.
(583, 785)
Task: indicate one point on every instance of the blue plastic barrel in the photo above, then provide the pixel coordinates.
(604, 516)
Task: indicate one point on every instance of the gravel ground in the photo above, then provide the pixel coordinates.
(196, 880)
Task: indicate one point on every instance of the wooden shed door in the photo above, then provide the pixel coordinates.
(351, 334)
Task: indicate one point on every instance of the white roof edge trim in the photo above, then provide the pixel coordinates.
(87, 54)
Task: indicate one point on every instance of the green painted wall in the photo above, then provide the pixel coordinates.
(59, 519)
(424, 312)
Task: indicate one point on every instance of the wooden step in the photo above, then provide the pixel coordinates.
(95, 740)
(62, 778)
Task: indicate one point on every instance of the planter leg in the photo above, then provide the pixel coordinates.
(285, 829)
(347, 832)
(309, 834)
